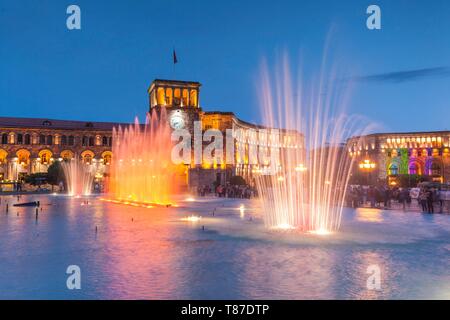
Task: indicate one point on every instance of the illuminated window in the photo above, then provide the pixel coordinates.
(169, 96)
(435, 153)
(393, 169)
(45, 158)
(177, 97)
(193, 98)
(23, 156)
(3, 155)
(185, 98)
(414, 168)
(107, 156)
(67, 155)
(394, 153)
(160, 96)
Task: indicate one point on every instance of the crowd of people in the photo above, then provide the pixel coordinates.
(228, 191)
(429, 199)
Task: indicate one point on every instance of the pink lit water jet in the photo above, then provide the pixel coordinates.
(308, 191)
(142, 171)
(79, 177)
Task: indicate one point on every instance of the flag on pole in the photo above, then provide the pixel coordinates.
(175, 60)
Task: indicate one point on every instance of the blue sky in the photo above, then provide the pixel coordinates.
(400, 73)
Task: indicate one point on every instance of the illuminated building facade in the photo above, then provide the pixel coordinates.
(31, 145)
(181, 100)
(387, 155)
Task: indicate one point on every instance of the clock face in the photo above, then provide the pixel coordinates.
(176, 121)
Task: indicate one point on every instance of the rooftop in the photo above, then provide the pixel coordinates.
(11, 122)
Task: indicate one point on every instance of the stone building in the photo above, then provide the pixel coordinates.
(385, 156)
(31, 145)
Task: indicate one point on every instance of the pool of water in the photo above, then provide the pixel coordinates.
(153, 253)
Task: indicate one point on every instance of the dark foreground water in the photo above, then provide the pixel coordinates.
(143, 253)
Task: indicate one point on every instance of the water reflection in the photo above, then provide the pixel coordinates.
(142, 253)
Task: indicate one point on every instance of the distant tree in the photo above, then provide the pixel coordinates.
(55, 173)
(36, 179)
(237, 181)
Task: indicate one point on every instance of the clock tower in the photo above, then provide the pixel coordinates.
(181, 100)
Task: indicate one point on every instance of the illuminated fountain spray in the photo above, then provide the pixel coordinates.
(79, 177)
(142, 170)
(308, 190)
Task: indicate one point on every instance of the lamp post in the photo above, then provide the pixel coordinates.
(367, 166)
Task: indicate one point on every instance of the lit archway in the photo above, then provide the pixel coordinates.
(45, 156)
(87, 156)
(67, 155)
(23, 157)
(107, 157)
(3, 156)
(415, 167)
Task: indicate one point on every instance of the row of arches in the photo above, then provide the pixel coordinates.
(432, 167)
(64, 140)
(46, 156)
(430, 152)
(176, 96)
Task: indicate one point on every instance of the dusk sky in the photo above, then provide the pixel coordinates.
(400, 74)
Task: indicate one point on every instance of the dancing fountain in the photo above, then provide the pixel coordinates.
(142, 171)
(309, 190)
(79, 177)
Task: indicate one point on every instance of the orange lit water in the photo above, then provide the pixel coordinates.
(142, 171)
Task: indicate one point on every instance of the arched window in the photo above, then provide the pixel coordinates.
(49, 140)
(71, 140)
(84, 141)
(45, 156)
(110, 141)
(160, 96)
(394, 153)
(19, 138)
(169, 96)
(63, 140)
(87, 156)
(106, 156)
(185, 98)
(193, 98)
(67, 155)
(393, 169)
(5, 138)
(104, 141)
(177, 97)
(91, 141)
(23, 156)
(414, 168)
(41, 139)
(3, 155)
(27, 139)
